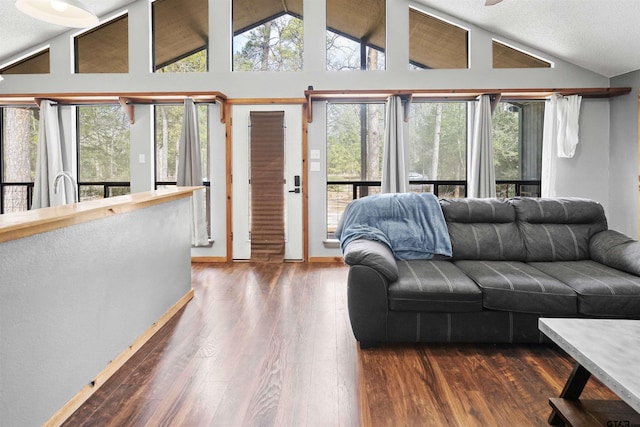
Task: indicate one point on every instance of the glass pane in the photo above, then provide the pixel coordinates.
(19, 143)
(506, 141)
(438, 141)
(196, 62)
(91, 192)
(434, 43)
(180, 35)
(356, 34)
(168, 128)
(355, 134)
(104, 49)
(344, 53)
(118, 191)
(38, 63)
(168, 125)
(507, 57)
(276, 45)
(16, 198)
(103, 144)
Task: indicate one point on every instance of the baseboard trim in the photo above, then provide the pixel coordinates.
(325, 259)
(87, 391)
(208, 259)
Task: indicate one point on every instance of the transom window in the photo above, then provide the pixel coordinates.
(356, 40)
(267, 35)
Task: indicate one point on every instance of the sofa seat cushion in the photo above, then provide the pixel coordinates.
(602, 290)
(435, 286)
(516, 286)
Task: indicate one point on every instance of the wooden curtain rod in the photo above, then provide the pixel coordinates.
(126, 100)
(453, 94)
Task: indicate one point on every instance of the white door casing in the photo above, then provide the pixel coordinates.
(240, 134)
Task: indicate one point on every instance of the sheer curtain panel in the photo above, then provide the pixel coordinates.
(560, 137)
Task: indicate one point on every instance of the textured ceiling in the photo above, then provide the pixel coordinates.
(599, 35)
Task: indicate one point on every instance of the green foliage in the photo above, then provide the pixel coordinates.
(195, 63)
(103, 143)
(506, 141)
(448, 145)
(344, 141)
(276, 45)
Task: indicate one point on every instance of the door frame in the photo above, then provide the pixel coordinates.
(272, 104)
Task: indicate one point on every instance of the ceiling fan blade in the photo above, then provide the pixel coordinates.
(491, 2)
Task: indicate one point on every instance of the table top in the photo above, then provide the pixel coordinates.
(608, 348)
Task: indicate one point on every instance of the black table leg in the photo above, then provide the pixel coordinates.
(572, 389)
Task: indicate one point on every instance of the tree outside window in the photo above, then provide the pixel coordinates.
(103, 151)
(19, 140)
(276, 45)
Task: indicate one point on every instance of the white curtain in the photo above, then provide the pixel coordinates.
(481, 169)
(190, 172)
(49, 160)
(394, 166)
(560, 137)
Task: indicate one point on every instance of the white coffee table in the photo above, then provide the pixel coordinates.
(607, 349)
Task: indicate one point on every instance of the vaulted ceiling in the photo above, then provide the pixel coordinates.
(599, 35)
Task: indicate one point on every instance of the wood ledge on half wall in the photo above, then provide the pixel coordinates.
(22, 224)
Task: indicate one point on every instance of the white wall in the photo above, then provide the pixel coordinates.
(587, 175)
(623, 161)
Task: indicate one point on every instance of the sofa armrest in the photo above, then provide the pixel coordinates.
(372, 254)
(616, 250)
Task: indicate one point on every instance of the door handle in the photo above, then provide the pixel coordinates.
(295, 190)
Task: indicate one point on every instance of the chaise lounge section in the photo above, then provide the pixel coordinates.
(512, 262)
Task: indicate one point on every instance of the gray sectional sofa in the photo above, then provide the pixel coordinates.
(512, 262)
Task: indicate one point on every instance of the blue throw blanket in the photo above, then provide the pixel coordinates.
(411, 224)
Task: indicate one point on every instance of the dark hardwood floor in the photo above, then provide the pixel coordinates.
(271, 345)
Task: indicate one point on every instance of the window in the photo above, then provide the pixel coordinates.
(434, 43)
(37, 63)
(267, 36)
(508, 57)
(103, 151)
(517, 147)
(168, 127)
(437, 148)
(355, 134)
(104, 49)
(180, 35)
(356, 40)
(18, 148)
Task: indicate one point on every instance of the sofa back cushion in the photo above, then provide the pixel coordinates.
(483, 229)
(558, 229)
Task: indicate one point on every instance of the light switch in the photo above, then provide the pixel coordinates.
(141, 158)
(315, 166)
(315, 154)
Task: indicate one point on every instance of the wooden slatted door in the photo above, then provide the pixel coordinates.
(267, 186)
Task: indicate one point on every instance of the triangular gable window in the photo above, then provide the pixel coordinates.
(434, 43)
(180, 35)
(37, 63)
(104, 49)
(508, 57)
